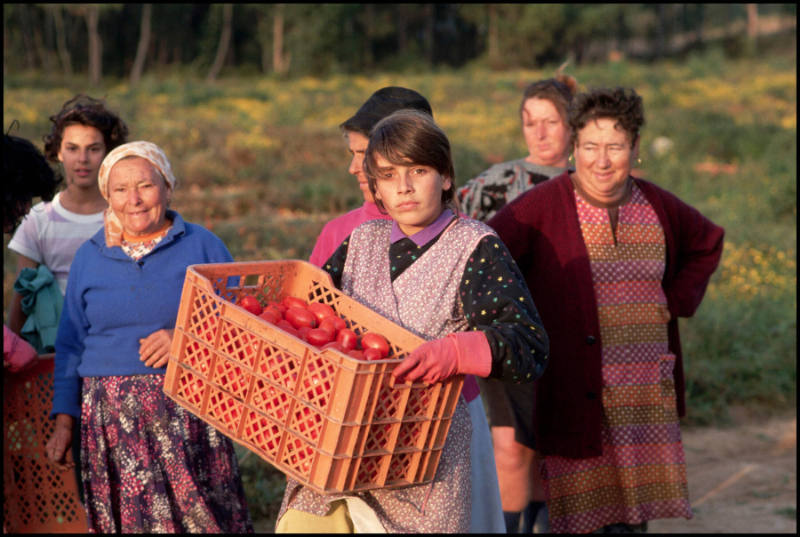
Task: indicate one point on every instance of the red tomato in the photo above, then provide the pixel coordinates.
(318, 337)
(210, 328)
(303, 332)
(336, 346)
(290, 301)
(231, 419)
(347, 339)
(265, 362)
(199, 358)
(300, 317)
(251, 304)
(357, 354)
(372, 353)
(280, 307)
(310, 423)
(338, 322)
(230, 348)
(238, 379)
(271, 316)
(283, 324)
(277, 310)
(321, 310)
(329, 325)
(372, 340)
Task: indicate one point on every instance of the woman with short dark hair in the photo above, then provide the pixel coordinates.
(612, 261)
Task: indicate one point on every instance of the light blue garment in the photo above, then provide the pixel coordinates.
(41, 302)
(487, 510)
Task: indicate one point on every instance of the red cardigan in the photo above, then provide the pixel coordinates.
(542, 233)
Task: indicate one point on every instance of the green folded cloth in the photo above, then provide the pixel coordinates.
(41, 302)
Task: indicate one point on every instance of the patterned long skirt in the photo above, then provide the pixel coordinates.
(148, 466)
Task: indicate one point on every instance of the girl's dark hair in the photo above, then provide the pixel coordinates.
(410, 137)
(623, 105)
(85, 110)
(382, 103)
(26, 175)
(559, 90)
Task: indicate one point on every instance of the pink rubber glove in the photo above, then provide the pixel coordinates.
(17, 353)
(465, 353)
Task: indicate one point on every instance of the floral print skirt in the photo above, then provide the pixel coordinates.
(149, 466)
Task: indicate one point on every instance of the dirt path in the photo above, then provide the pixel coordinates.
(741, 480)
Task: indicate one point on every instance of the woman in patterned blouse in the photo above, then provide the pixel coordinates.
(612, 261)
(451, 281)
(543, 116)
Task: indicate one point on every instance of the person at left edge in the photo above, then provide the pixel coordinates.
(146, 464)
(26, 175)
(81, 135)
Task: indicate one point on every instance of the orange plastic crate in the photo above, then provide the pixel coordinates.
(37, 497)
(332, 422)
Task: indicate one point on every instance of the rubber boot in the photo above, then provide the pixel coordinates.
(529, 516)
(512, 520)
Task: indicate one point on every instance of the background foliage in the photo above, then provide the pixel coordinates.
(261, 162)
(324, 39)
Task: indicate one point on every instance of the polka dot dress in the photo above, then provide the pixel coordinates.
(641, 474)
(493, 296)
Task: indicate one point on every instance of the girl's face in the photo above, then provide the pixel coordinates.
(81, 152)
(411, 193)
(603, 159)
(138, 195)
(546, 133)
(357, 145)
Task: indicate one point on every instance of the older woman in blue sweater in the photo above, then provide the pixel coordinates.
(146, 465)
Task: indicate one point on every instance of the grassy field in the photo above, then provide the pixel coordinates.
(262, 163)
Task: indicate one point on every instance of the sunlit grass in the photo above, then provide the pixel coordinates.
(262, 163)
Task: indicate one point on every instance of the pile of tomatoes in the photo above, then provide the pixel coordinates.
(318, 324)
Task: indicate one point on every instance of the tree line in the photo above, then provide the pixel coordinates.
(127, 40)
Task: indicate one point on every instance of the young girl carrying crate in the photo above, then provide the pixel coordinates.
(450, 280)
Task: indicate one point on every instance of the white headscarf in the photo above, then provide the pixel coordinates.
(146, 150)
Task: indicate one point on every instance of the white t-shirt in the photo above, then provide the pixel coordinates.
(50, 235)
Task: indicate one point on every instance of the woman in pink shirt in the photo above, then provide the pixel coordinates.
(356, 132)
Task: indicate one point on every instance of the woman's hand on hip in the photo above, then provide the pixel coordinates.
(58, 447)
(154, 349)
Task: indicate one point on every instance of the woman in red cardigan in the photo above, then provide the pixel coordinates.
(612, 261)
